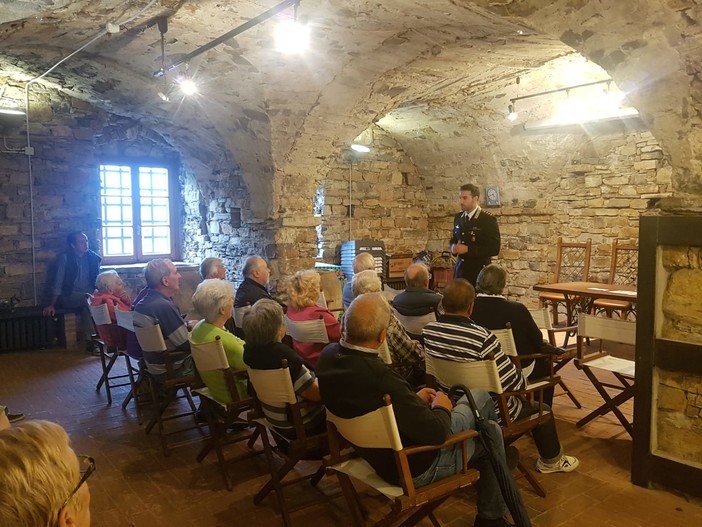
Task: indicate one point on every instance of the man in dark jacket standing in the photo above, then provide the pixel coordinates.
(352, 382)
(476, 236)
(76, 271)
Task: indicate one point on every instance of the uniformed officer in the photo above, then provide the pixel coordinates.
(476, 236)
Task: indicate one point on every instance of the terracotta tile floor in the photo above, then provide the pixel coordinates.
(136, 486)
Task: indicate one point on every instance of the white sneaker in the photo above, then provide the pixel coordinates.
(565, 464)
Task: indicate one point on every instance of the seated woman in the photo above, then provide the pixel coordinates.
(212, 267)
(265, 329)
(304, 294)
(109, 289)
(43, 482)
(493, 311)
(406, 354)
(214, 299)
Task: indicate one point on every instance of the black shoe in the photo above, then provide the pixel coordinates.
(14, 418)
(484, 522)
(92, 348)
(512, 455)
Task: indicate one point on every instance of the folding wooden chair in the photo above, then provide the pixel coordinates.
(307, 330)
(210, 357)
(414, 325)
(125, 320)
(275, 388)
(590, 361)
(483, 375)
(378, 429)
(108, 357)
(543, 321)
(509, 348)
(623, 269)
(572, 265)
(164, 392)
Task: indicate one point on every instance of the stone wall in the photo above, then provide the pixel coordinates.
(679, 403)
(387, 196)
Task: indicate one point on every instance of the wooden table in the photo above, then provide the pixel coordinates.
(579, 296)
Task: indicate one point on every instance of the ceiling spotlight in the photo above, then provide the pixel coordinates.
(512, 115)
(292, 37)
(363, 149)
(11, 111)
(188, 86)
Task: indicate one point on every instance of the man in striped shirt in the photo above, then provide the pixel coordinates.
(456, 337)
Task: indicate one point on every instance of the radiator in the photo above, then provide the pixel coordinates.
(27, 328)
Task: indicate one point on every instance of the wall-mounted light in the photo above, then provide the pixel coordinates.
(512, 114)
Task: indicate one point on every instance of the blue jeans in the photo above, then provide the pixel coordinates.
(491, 505)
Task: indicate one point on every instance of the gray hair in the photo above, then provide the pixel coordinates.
(366, 317)
(416, 275)
(363, 262)
(106, 281)
(366, 282)
(491, 280)
(263, 322)
(250, 265)
(212, 295)
(207, 266)
(156, 270)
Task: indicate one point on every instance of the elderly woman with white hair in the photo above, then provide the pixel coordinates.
(42, 481)
(305, 289)
(109, 289)
(212, 267)
(214, 300)
(406, 354)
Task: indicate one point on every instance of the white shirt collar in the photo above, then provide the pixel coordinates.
(491, 296)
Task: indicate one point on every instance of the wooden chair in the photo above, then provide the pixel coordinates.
(275, 388)
(595, 361)
(623, 269)
(378, 429)
(210, 357)
(165, 392)
(307, 330)
(125, 320)
(108, 357)
(572, 265)
(543, 321)
(509, 348)
(483, 375)
(415, 325)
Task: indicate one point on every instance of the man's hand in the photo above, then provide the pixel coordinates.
(443, 401)
(427, 394)
(49, 311)
(459, 248)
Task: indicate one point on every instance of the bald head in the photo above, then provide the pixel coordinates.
(366, 320)
(417, 275)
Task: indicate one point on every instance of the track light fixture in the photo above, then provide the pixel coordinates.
(230, 34)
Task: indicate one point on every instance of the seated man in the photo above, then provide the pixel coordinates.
(109, 289)
(43, 482)
(163, 281)
(212, 267)
(214, 299)
(362, 262)
(353, 380)
(493, 311)
(76, 271)
(457, 337)
(417, 299)
(264, 350)
(407, 355)
(256, 277)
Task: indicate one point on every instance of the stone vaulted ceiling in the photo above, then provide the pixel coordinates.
(274, 114)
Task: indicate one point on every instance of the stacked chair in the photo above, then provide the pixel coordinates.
(623, 269)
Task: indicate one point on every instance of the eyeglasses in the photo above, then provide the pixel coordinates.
(87, 467)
